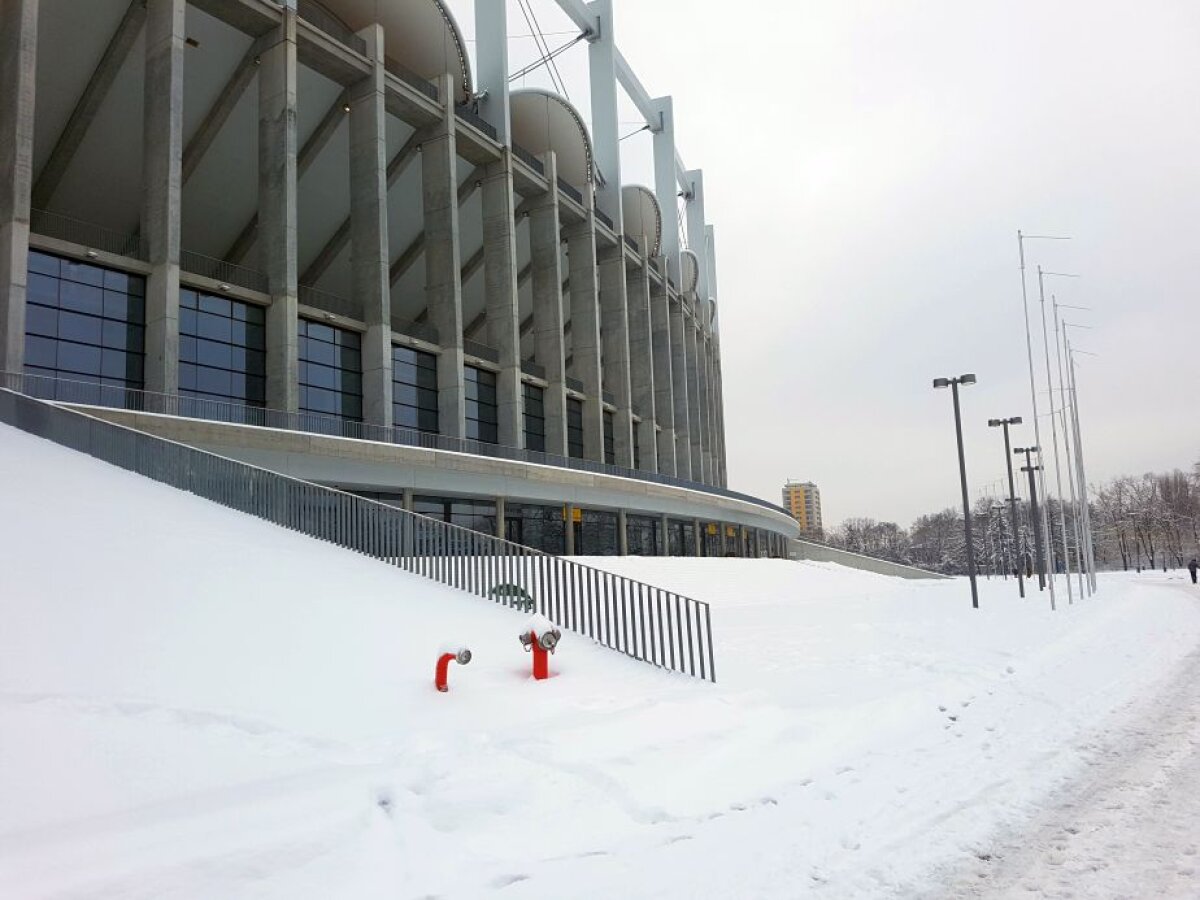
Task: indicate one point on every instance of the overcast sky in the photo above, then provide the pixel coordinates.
(867, 166)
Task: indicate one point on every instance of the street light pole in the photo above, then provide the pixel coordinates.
(1068, 443)
(1062, 516)
(1087, 511)
(1012, 489)
(1033, 507)
(1044, 549)
(953, 383)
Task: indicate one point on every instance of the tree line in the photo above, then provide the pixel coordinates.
(1151, 521)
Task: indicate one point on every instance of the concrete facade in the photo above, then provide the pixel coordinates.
(378, 185)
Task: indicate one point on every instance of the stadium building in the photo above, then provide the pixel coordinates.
(313, 236)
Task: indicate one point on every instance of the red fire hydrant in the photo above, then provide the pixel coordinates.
(462, 656)
(541, 637)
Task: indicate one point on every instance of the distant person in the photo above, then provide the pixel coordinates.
(1192, 567)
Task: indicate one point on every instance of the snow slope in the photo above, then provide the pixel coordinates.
(195, 704)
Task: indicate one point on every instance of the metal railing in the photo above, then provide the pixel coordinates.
(529, 367)
(222, 270)
(570, 190)
(422, 330)
(327, 302)
(411, 78)
(575, 384)
(529, 159)
(605, 218)
(87, 234)
(632, 244)
(647, 623)
(322, 19)
(472, 118)
(118, 396)
(481, 351)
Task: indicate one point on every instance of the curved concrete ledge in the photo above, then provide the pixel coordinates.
(375, 466)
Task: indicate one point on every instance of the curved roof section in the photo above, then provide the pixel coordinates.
(690, 270)
(420, 35)
(543, 121)
(639, 208)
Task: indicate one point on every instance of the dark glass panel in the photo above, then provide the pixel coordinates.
(81, 298)
(41, 320)
(43, 263)
(42, 289)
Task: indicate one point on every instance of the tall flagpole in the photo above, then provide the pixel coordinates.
(1062, 517)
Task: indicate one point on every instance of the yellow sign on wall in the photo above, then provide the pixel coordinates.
(576, 514)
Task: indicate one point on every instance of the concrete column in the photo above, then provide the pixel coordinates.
(500, 517)
(614, 332)
(491, 66)
(724, 538)
(443, 285)
(369, 253)
(277, 148)
(664, 547)
(697, 236)
(695, 423)
(408, 499)
(705, 419)
(162, 180)
(679, 388)
(664, 399)
(585, 329)
(18, 74)
(666, 183)
(641, 361)
(602, 71)
(699, 536)
(500, 294)
(569, 528)
(545, 259)
(723, 480)
(622, 533)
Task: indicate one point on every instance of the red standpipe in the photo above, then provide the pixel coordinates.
(462, 657)
(541, 659)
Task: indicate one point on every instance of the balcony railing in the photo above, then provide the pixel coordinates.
(472, 118)
(117, 396)
(575, 384)
(420, 330)
(223, 271)
(529, 367)
(87, 234)
(529, 159)
(411, 78)
(312, 12)
(604, 217)
(632, 244)
(571, 191)
(482, 351)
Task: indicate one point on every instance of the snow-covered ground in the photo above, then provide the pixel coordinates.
(194, 704)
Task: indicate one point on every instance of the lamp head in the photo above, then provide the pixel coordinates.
(941, 382)
(967, 379)
(1015, 420)
(995, 423)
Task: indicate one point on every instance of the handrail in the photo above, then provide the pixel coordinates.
(468, 115)
(570, 190)
(647, 623)
(222, 270)
(85, 393)
(323, 20)
(87, 234)
(528, 158)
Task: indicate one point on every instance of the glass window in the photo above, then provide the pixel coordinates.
(216, 360)
(83, 323)
(540, 527)
(596, 534)
(610, 454)
(642, 535)
(637, 447)
(483, 414)
(330, 370)
(477, 515)
(575, 428)
(414, 389)
(535, 418)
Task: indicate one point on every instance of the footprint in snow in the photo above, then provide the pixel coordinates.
(507, 880)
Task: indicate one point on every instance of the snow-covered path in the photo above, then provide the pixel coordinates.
(1129, 826)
